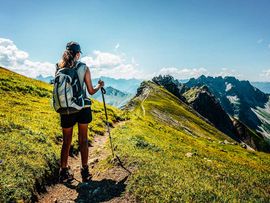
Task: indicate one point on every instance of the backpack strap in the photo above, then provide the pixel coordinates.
(56, 68)
(81, 69)
(78, 65)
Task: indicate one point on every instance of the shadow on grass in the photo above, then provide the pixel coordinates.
(99, 191)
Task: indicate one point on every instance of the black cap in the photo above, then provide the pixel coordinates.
(73, 46)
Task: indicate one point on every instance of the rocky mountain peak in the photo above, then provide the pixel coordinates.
(172, 85)
(205, 103)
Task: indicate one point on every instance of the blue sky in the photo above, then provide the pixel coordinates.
(141, 38)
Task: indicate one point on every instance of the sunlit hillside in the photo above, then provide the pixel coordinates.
(174, 153)
(178, 156)
(31, 137)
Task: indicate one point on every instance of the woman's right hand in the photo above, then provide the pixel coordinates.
(101, 83)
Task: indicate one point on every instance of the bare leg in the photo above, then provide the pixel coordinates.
(67, 138)
(83, 142)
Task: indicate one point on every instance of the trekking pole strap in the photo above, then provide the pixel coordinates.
(103, 91)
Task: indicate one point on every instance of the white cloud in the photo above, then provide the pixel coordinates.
(183, 73)
(100, 63)
(186, 73)
(112, 65)
(102, 59)
(229, 72)
(17, 60)
(265, 74)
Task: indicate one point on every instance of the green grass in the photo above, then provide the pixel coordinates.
(31, 136)
(155, 145)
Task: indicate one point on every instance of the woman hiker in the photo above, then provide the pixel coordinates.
(83, 117)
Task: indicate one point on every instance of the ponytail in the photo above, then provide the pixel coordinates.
(67, 59)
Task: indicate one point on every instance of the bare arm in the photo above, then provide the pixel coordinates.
(87, 79)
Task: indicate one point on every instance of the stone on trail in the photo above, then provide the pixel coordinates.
(189, 154)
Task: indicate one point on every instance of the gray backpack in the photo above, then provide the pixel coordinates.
(67, 91)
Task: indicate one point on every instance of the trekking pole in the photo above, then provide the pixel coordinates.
(103, 91)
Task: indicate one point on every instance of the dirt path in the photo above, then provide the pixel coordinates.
(106, 185)
(145, 94)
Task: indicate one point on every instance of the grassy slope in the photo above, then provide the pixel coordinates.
(156, 145)
(30, 134)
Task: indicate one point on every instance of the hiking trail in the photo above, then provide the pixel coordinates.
(106, 185)
(145, 94)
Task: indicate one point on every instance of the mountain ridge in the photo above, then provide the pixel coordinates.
(201, 99)
(239, 99)
(175, 149)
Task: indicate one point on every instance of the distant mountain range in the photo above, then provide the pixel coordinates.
(241, 99)
(133, 84)
(124, 85)
(119, 91)
(114, 97)
(263, 86)
(46, 79)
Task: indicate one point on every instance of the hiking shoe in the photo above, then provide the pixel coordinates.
(65, 175)
(86, 176)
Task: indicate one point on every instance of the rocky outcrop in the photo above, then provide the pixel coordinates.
(210, 97)
(253, 139)
(238, 98)
(209, 107)
(172, 85)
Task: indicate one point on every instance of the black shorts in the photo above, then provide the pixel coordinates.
(83, 116)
